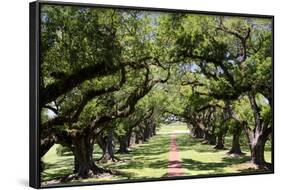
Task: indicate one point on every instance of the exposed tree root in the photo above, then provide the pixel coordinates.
(263, 166)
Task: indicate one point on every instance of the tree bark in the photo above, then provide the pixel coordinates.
(209, 138)
(197, 132)
(154, 130)
(259, 135)
(257, 145)
(138, 136)
(106, 144)
(235, 148)
(220, 142)
(257, 152)
(123, 145)
(76, 165)
(129, 137)
(146, 134)
(137, 141)
(83, 160)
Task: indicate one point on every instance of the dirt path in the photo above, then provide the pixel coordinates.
(174, 164)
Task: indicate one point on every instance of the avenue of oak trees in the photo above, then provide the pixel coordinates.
(111, 77)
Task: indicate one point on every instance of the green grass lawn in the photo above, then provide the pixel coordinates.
(198, 158)
(150, 159)
(147, 160)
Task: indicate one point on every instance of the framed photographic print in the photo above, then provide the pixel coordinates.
(129, 94)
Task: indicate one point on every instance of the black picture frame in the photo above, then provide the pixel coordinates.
(34, 90)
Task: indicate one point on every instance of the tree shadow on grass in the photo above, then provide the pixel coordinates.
(64, 161)
(154, 147)
(57, 174)
(141, 156)
(159, 164)
(236, 159)
(58, 169)
(217, 167)
(240, 163)
(191, 164)
(188, 142)
(145, 155)
(251, 170)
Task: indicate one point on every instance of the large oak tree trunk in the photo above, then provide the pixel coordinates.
(83, 160)
(123, 145)
(235, 148)
(220, 142)
(259, 135)
(147, 132)
(138, 137)
(209, 138)
(154, 130)
(257, 145)
(196, 131)
(257, 152)
(129, 137)
(76, 165)
(106, 144)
